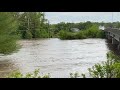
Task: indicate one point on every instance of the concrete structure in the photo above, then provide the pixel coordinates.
(101, 27)
(113, 35)
(75, 29)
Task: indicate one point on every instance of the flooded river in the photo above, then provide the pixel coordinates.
(54, 56)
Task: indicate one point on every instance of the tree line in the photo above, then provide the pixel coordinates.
(21, 25)
(81, 25)
(32, 25)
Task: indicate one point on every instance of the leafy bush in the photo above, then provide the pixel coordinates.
(81, 35)
(108, 69)
(18, 74)
(74, 75)
(28, 35)
(92, 32)
(66, 35)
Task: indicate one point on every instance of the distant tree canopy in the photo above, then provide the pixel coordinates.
(91, 32)
(34, 25)
(67, 26)
(81, 26)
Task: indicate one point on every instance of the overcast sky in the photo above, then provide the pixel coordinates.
(56, 17)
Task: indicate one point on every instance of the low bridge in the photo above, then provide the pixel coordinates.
(113, 35)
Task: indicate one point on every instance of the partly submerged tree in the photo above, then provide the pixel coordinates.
(8, 27)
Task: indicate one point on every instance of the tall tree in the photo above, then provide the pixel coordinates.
(8, 27)
(32, 24)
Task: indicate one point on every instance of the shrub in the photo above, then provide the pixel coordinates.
(108, 69)
(66, 35)
(74, 75)
(92, 32)
(81, 35)
(28, 35)
(18, 74)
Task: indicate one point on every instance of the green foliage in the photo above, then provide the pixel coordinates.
(44, 34)
(82, 25)
(62, 34)
(108, 69)
(67, 26)
(81, 35)
(28, 35)
(92, 32)
(35, 74)
(74, 75)
(33, 25)
(8, 27)
(83, 75)
(66, 35)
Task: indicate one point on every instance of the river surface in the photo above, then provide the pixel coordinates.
(54, 56)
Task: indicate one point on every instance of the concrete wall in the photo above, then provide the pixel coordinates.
(114, 39)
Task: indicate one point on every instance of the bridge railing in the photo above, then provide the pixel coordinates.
(112, 28)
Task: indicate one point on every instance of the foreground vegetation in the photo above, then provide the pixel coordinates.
(8, 37)
(107, 69)
(35, 74)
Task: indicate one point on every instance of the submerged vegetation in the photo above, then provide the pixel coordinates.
(92, 32)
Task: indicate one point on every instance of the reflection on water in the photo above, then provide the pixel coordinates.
(57, 57)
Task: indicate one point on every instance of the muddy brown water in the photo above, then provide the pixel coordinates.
(54, 56)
